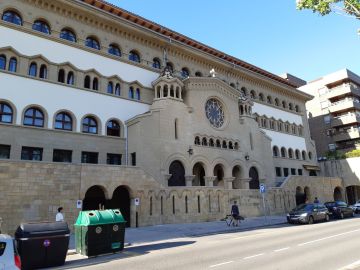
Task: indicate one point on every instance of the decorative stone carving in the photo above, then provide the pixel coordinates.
(209, 180)
(245, 106)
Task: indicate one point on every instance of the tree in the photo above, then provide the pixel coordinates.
(324, 7)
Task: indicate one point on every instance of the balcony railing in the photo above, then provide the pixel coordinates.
(344, 104)
(345, 120)
(342, 90)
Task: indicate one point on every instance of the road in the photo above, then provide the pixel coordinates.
(328, 246)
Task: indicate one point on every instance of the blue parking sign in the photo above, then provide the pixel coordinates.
(262, 188)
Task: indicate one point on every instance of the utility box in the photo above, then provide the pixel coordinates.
(99, 232)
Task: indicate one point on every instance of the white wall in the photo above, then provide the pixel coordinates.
(286, 140)
(53, 97)
(277, 114)
(30, 45)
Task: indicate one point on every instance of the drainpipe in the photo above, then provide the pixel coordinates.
(126, 146)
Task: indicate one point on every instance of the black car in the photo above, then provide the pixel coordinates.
(339, 209)
(308, 213)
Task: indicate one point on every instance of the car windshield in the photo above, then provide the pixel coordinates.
(304, 207)
(2, 248)
(341, 204)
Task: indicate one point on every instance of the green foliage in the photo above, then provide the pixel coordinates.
(324, 7)
(334, 155)
(353, 153)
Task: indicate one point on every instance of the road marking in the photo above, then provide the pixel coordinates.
(281, 249)
(352, 266)
(219, 264)
(325, 238)
(253, 256)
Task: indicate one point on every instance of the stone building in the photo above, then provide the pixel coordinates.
(103, 106)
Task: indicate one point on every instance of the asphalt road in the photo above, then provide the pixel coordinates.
(329, 246)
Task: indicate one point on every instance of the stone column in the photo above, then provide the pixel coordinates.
(166, 177)
(209, 180)
(245, 183)
(228, 181)
(189, 179)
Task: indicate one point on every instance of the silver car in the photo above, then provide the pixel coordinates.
(9, 258)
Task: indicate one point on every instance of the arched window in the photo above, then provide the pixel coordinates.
(95, 84)
(291, 153)
(89, 125)
(275, 151)
(2, 61)
(113, 128)
(231, 145)
(290, 106)
(43, 72)
(185, 72)
(156, 63)
(211, 143)
(269, 99)
(12, 17)
(303, 154)
(261, 97)
(92, 42)
(61, 76)
(224, 144)
(283, 152)
(236, 146)
(252, 94)
(137, 93)
(310, 155)
(70, 78)
(243, 91)
(114, 50)
(204, 141)
(198, 74)
(117, 90)
(110, 88)
(283, 104)
(13, 64)
(33, 69)
(87, 82)
(6, 113)
(134, 56)
(218, 144)
(68, 34)
(34, 117)
(276, 101)
(63, 121)
(197, 140)
(297, 154)
(131, 92)
(176, 129)
(41, 26)
(170, 67)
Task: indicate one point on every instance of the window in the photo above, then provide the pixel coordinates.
(278, 171)
(269, 99)
(156, 63)
(67, 34)
(131, 92)
(95, 84)
(89, 125)
(34, 117)
(62, 155)
(134, 56)
(133, 159)
(110, 88)
(197, 140)
(2, 62)
(297, 154)
(114, 50)
(137, 93)
(12, 17)
(276, 102)
(70, 78)
(290, 106)
(63, 121)
(327, 119)
(286, 172)
(13, 64)
(33, 69)
(300, 172)
(61, 76)
(31, 153)
(41, 26)
(283, 104)
(252, 94)
(92, 42)
(198, 74)
(87, 82)
(117, 90)
(4, 151)
(293, 171)
(279, 126)
(291, 153)
(43, 72)
(185, 73)
(170, 67)
(6, 113)
(89, 157)
(310, 155)
(261, 97)
(113, 159)
(332, 147)
(303, 153)
(275, 151)
(176, 129)
(113, 128)
(283, 152)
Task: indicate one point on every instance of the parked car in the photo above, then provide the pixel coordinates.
(339, 209)
(9, 258)
(356, 207)
(308, 213)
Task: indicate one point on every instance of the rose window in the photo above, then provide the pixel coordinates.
(215, 112)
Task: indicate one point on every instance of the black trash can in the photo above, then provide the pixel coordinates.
(43, 244)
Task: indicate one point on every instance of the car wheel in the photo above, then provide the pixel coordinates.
(327, 218)
(310, 220)
(341, 215)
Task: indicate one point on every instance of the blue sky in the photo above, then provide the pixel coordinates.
(275, 37)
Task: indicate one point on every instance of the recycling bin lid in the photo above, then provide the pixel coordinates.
(42, 229)
(99, 217)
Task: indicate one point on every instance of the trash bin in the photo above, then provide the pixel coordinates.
(99, 232)
(43, 244)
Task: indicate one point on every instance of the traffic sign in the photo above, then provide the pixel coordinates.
(262, 188)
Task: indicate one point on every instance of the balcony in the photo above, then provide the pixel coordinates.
(347, 135)
(344, 105)
(342, 90)
(345, 120)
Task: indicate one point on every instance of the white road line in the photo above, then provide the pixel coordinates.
(329, 237)
(281, 249)
(219, 264)
(352, 266)
(253, 256)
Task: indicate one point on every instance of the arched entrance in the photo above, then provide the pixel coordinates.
(254, 176)
(338, 196)
(121, 200)
(199, 172)
(219, 173)
(236, 172)
(307, 194)
(299, 196)
(353, 194)
(177, 172)
(94, 198)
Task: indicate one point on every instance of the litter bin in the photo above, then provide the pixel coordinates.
(43, 244)
(99, 232)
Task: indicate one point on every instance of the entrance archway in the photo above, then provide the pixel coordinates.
(121, 200)
(300, 196)
(353, 194)
(236, 172)
(94, 198)
(219, 173)
(199, 172)
(307, 194)
(177, 172)
(338, 195)
(254, 176)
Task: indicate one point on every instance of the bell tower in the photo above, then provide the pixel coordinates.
(168, 87)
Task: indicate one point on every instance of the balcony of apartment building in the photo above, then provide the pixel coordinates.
(346, 119)
(342, 90)
(350, 133)
(345, 104)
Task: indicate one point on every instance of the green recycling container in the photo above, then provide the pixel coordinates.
(99, 232)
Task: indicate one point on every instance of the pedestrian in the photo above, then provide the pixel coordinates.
(316, 200)
(235, 213)
(59, 215)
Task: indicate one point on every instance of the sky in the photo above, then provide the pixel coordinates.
(276, 37)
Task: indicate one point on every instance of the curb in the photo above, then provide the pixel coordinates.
(73, 251)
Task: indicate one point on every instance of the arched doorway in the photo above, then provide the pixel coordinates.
(353, 194)
(219, 173)
(177, 172)
(254, 176)
(299, 196)
(199, 172)
(94, 198)
(236, 172)
(338, 194)
(307, 194)
(121, 200)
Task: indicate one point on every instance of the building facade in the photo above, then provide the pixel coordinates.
(100, 105)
